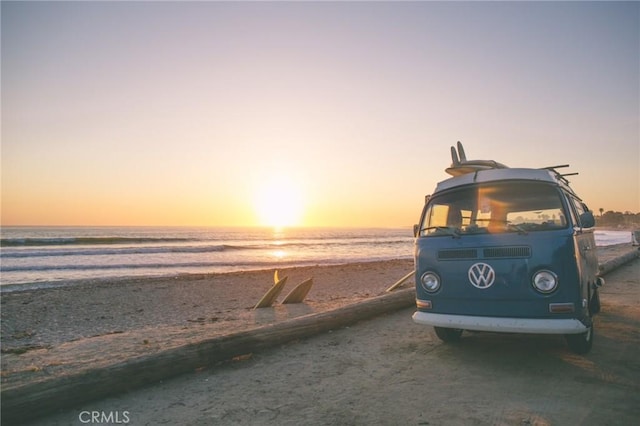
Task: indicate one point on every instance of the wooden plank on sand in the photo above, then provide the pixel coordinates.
(400, 281)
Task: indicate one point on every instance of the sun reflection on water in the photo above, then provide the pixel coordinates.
(280, 254)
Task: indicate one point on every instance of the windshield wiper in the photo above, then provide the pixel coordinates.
(448, 230)
(518, 228)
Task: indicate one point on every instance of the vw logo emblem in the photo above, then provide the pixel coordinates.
(481, 275)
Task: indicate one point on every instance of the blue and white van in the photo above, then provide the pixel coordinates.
(506, 250)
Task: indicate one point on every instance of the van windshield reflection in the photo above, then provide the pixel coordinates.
(512, 207)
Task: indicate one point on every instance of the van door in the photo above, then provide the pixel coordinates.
(585, 246)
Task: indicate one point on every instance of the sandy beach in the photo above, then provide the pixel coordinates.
(390, 371)
(46, 332)
(50, 332)
(337, 375)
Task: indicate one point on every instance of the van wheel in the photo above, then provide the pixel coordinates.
(580, 343)
(448, 334)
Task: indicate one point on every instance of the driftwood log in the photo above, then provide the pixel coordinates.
(606, 267)
(22, 403)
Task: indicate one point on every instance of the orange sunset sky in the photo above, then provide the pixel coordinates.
(305, 113)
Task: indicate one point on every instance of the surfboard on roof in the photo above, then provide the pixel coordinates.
(461, 166)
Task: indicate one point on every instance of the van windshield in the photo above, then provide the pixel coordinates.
(495, 208)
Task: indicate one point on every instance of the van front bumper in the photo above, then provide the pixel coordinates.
(504, 325)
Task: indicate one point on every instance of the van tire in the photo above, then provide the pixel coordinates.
(580, 343)
(448, 335)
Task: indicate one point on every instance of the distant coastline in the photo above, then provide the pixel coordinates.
(617, 221)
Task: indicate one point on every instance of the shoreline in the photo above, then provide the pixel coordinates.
(61, 283)
(46, 285)
(15, 280)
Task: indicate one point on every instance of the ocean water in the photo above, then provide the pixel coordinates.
(47, 255)
(44, 256)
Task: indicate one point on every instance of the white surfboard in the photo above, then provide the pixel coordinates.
(461, 166)
(271, 295)
(298, 294)
(461, 154)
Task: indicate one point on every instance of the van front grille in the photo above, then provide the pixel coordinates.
(507, 252)
(457, 254)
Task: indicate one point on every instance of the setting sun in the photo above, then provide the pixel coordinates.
(279, 203)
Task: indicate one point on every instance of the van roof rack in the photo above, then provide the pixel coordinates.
(461, 166)
(561, 176)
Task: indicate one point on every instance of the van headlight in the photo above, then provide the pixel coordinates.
(430, 282)
(545, 281)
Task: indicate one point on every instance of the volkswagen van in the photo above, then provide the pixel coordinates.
(504, 249)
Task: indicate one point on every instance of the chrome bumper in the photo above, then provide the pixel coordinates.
(504, 325)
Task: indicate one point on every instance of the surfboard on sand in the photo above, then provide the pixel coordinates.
(298, 294)
(271, 295)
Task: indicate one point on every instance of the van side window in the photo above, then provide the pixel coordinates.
(579, 209)
(572, 210)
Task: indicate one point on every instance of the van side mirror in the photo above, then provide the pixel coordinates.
(587, 220)
(415, 230)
